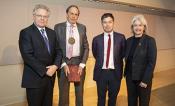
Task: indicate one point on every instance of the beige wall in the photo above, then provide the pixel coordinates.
(17, 14)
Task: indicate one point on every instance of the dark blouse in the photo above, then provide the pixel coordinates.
(131, 53)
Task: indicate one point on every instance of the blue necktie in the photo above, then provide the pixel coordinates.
(45, 39)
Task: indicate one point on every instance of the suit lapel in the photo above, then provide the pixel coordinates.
(102, 47)
(80, 34)
(39, 36)
(129, 45)
(115, 45)
(64, 37)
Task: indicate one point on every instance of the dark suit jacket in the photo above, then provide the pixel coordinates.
(60, 30)
(144, 58)
(36, 56)
(98, 53)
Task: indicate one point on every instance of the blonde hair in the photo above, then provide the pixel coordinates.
(40, 6)
(142, 19)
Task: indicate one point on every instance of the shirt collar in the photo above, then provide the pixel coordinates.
(106, 34)
(68, 24)
(39, 28)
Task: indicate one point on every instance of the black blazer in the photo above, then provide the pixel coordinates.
(36, 56)
(98, 53)
(144, 58)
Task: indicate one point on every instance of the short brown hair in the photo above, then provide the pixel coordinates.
(68, 8)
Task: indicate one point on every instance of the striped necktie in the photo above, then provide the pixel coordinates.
(45, 39)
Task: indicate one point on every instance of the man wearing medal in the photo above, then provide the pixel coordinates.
(73, 41)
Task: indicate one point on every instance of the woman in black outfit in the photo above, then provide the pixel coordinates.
(141, 53)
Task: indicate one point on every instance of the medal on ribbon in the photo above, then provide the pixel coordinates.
(71, 40)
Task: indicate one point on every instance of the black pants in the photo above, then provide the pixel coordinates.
(40, 96)
(136, 94)
(64, 86)
(107, 82)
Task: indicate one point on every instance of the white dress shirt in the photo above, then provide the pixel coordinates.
(76, 36)
(111, 57)
(76, 45)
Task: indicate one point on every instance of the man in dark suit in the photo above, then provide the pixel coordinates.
(108, 50)
(42, 57)
(73, 41)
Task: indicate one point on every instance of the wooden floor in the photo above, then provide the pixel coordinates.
(163, 92)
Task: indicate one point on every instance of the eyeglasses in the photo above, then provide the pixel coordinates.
(41, 16)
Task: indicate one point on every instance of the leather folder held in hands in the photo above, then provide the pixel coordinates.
(73, 76)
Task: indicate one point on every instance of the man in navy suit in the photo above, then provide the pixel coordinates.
(108, 50)
(42, 57)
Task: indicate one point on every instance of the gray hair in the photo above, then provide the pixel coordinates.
(41, 6)
(140, 18)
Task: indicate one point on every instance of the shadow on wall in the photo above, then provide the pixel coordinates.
(11, 56)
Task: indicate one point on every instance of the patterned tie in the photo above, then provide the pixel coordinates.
(70, 46)
(108, 51)
(45, 39)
